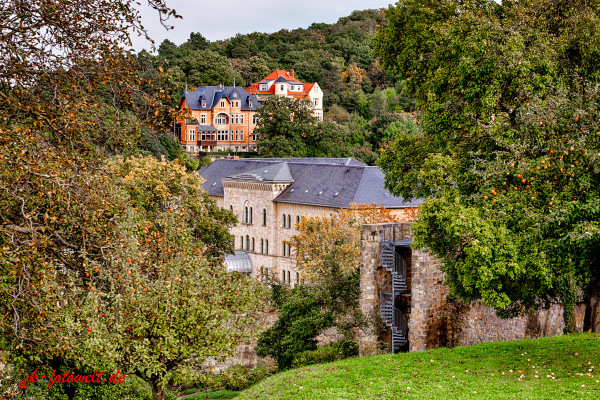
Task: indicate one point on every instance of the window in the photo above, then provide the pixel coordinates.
(284, 220)
(231, 208)
(297, 278)
(251, 103)
(284, 248)
(222, 103)
(262, 271)
(247, 242)
(242, 242)
(281, 87)
(252, 244)
(221, 119)
(297, 220)
(267, 246)
(264, 217)
(289, 252)
(246, 219)
(288, 273)
(283, 275)
(203, 103)
(254, 137)
(262, 245)
(242, 119)
(203, 136)
(289, 225)
(263, 86)
(203, 118)
(250, 214)
(255, 119)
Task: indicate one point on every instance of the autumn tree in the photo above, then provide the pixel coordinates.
(328, 254)
(71, 94)
(507, 154)
(163, 302)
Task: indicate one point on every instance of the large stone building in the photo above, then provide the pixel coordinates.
(283, 83)
(269, 196)
(218, 118)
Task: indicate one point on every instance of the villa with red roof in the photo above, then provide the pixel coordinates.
(283, 83)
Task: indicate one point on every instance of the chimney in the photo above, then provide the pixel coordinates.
(292, 73)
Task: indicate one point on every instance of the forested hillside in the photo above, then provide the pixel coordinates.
(367, 104)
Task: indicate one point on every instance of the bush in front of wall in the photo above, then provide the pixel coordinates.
(332, 352)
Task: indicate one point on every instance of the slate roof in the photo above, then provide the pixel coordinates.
(206, 128)
(329, 182)
(270, 173)
(213, 94)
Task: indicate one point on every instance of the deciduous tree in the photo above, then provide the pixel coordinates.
(507, 156)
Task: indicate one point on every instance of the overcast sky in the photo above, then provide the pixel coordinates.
(222, 19)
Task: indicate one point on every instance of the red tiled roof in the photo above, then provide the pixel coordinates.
(276, 74)
(253, 89)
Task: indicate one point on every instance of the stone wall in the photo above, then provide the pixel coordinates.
(434, 320)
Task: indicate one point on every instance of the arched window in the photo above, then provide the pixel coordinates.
(242, 242)
(284, 220)
(297, 278)
(250, 214)
(262, 271)
(284, 247)
(283, 275)
(264, 217)
(267, 246)
(297, 220)
(262, 245)
(246, 219)
(247, 243)
(231, 208)
(252, 244)
(289, 221)
(289, 281)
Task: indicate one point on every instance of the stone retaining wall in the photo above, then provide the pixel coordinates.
(434, 320)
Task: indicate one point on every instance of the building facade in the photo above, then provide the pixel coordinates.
(218, 118)
(283, 83)
(270, 196)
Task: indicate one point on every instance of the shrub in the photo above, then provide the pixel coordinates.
(238, 377)
(329, 353)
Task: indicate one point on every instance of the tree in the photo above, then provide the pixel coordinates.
(164, 302)
(300, 320)
(507, 154)
(328, 256)
(284, 123)
(69, 94)
(287, 128)
(208, 68)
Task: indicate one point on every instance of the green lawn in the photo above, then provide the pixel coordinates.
(561, 367)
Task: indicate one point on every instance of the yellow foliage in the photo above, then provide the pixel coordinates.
(327, 242)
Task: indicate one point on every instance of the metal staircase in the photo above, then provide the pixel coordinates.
(394, 319)
(394, 263)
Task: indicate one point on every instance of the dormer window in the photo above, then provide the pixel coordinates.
(263, 86)
(251, 103)
(281, 87)
(203, 103)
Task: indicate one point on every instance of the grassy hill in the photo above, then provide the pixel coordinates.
(565, 367)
